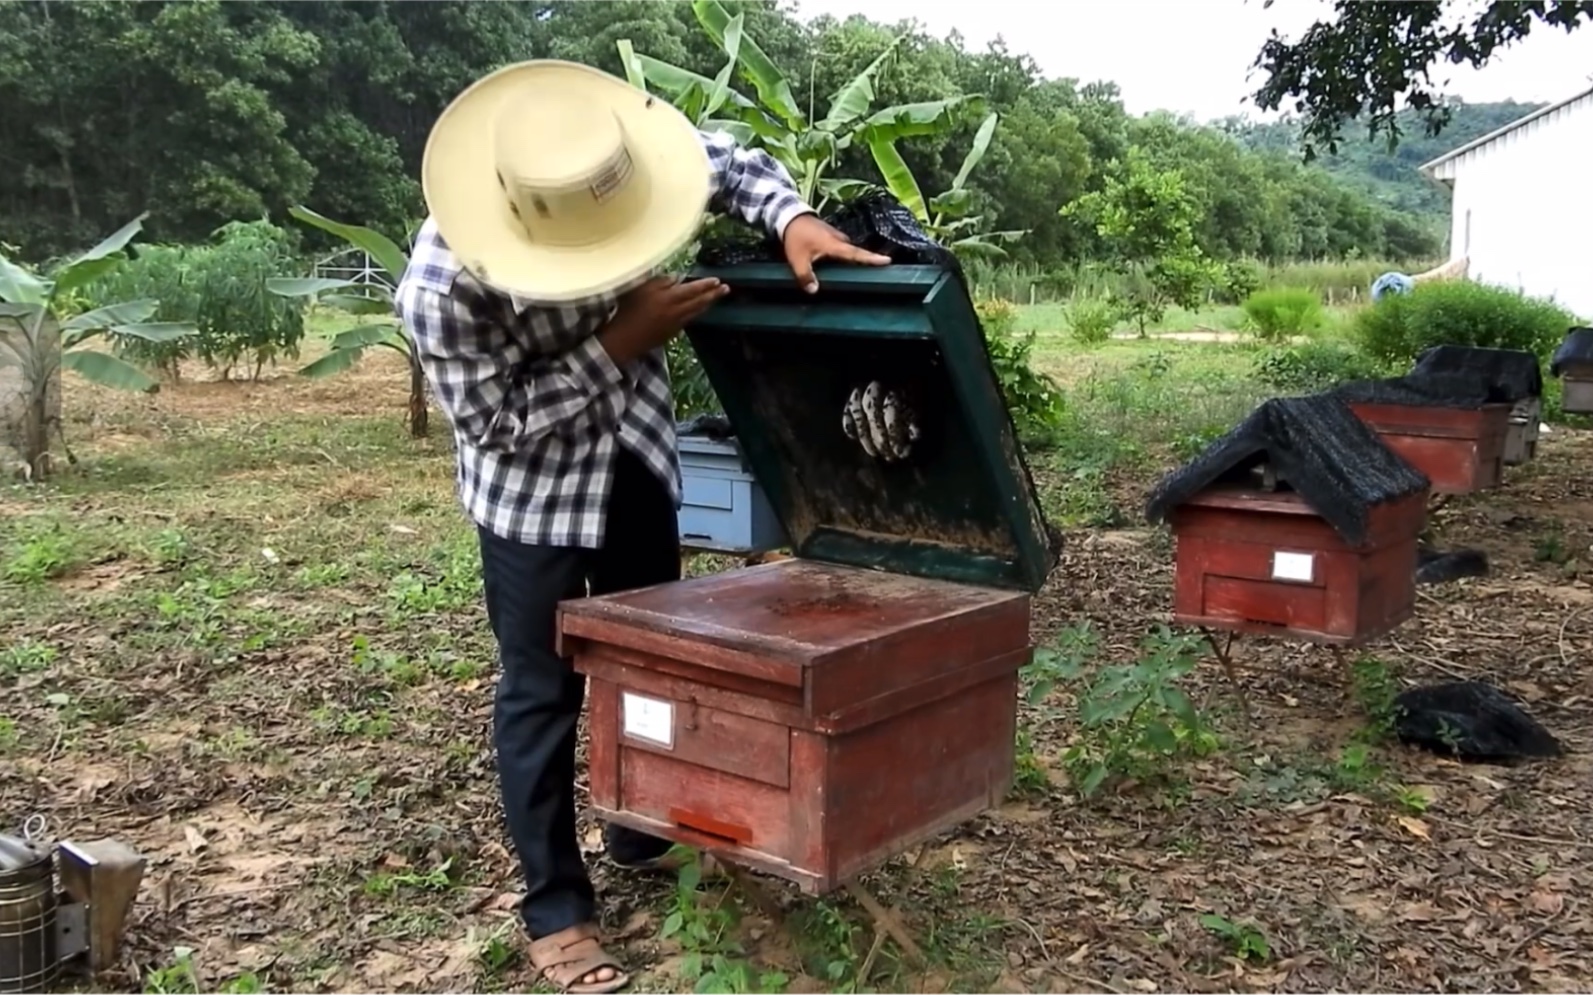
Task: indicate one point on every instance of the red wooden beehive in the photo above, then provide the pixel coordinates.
(1503, 376)
(806, 719)
(1450, 425)
(814, 716)
(1461, 450)
(1300, 523)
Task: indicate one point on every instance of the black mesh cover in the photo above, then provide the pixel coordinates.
(1317, 447)
(707, 426)
(1512, 374)
(1468, 390)
(875, 221)
(1433, 567)
(1472, 720)
(1577, 347)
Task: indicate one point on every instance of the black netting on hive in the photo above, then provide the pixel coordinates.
(1576, 347)
(1472, 720)
(875, 221)
(1316, 446)
(1512, 374)
(1468, 390)
(707, 426)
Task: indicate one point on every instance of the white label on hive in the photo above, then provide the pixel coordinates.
(648, 718)
(1293, 566)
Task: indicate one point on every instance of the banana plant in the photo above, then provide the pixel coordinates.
(775, 121)
(944, 216)
(364, 300)
(39, 341)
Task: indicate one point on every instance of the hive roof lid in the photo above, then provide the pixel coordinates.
(1314, 444)
(1576, 347)
(1466, 390)
(1510, 374)
(806, 379)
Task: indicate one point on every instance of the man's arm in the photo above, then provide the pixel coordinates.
(752, 184)
(497, 397)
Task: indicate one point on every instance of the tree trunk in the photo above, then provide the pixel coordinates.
(419, 414)
(30, 392)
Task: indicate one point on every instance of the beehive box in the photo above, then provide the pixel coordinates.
(1509, 376)
(1573, 364)
(815, 716)
(1460, 450)
(723, 509)
(1300, 523)
(1448, 425)
(1521, 436)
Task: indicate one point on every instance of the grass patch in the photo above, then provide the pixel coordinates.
(253, 613)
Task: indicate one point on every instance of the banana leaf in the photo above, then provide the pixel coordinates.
(373, 243)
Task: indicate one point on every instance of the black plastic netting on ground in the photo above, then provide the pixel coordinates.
(1316, 446)
(1512, 374)
(1575, 348)
(1468, 390)
(1433, 567)
(1471, 720)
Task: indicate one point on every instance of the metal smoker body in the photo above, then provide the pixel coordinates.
(43, 927)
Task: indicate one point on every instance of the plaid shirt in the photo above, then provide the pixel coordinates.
(538, 407)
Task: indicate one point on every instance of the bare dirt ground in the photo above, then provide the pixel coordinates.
(244, 634)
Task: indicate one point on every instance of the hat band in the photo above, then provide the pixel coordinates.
(592, 210)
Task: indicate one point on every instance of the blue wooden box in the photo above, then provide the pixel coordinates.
(723, 510)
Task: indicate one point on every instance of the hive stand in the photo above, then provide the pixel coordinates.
(1573, 364)
(1300, 523)
(812, 717)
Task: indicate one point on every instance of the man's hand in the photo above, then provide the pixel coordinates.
(809, 239)
(654, 313)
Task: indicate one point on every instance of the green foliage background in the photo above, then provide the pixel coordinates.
(206, 112)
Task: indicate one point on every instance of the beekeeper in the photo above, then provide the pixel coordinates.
(555, 192)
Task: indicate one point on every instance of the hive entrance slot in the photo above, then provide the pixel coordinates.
(712, 832)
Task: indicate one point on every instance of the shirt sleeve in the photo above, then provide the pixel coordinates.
(752, 184)
(496, 395)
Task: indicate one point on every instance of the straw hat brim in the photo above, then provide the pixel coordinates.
(459, 181)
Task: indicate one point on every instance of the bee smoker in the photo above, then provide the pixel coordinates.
(43, 926)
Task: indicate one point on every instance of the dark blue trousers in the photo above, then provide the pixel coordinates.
(540, 695)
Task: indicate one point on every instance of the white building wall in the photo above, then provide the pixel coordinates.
(1523, 207)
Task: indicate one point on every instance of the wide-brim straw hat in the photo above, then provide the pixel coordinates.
(555, 182)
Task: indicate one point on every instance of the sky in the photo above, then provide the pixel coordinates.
(1194, 56)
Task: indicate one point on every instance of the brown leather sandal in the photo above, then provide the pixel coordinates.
(562, 959)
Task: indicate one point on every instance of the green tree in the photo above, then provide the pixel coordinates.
(1373, 54)
(1146, 216)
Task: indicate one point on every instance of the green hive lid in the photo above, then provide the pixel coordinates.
(960, 505)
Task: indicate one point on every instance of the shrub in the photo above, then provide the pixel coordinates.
(1284, 312)
(1033, 398)
(1314, 366)
(1240, 278)
(1091, 321)
(1400, 326)
(221, 290)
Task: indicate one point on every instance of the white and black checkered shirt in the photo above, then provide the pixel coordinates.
(537, 405)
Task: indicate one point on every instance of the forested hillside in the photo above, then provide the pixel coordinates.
(205, 112)
(1391, 177)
